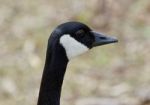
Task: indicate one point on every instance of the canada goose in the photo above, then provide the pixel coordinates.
(67, 41)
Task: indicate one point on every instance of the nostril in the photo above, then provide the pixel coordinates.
(102, 37)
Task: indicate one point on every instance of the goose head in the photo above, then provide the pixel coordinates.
(77, 38)
(67, 41)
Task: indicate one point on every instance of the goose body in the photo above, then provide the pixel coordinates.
(67, 41)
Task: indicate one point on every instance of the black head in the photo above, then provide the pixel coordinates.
(77, 38)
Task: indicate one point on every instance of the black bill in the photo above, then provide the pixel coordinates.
(101, 39)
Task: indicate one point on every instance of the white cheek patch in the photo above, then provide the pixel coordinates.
(73, 47)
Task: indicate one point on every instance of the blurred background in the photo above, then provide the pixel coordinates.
(116, 74)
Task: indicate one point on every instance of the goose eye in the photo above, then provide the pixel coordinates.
(80, 33)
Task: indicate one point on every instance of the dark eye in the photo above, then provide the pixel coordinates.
(80, 34)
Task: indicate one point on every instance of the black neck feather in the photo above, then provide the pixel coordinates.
(53, 74)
